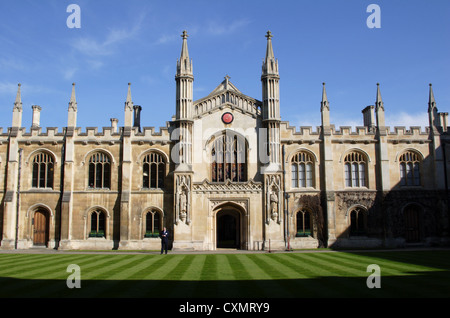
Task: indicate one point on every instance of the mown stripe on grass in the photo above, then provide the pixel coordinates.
(189, 278)
(336, 279)
(204, 285)
(255, 282)
(403, 279)
(309, 284)
(29, 261)
(284, 277)
(151, 281)
(103, 281)
(139, 280)
(29, 282)
(14, 259)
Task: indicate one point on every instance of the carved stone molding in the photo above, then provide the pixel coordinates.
(240, 202)
(227, 187)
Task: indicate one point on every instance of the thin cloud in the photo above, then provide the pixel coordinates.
(217, 28)
(8, 88)
(214, 28)
(407, 119)
(94, 47)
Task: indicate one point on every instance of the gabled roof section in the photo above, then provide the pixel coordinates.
(225, 85)
(227, 95)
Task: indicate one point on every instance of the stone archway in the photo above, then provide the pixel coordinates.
(228, 228)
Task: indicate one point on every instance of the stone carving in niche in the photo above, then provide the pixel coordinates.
(273, 198)
(183, 198)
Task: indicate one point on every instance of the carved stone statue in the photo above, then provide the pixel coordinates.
(183, 205)
(274, 205)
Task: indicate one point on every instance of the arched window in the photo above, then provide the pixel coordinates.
(358, 222)
(409, 169)
(302, 168)
(99, 171)
(42, 176)
(355, 169)
(153, 223)
(304, 223)
(228, 154)
(97, 224)
(154, 170)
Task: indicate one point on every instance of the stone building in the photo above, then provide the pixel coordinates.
(227, 172)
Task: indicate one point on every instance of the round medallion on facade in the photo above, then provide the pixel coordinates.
(227, 118)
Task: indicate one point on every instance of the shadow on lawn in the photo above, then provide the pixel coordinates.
(420, 284)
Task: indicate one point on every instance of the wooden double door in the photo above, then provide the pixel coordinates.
(41, 228)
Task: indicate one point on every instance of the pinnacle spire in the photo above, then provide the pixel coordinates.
(73, 99)
(324, 102)
(269, 50)
(379, 100)
(72, 96)
(128, 100)
(270, 64)
(184, 47)
(18, 101)
(431, 100)
(184, 64)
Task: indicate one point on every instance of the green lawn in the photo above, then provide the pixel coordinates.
(274, 275)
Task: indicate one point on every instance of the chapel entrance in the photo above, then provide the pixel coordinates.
(228, 229)
(41, 228)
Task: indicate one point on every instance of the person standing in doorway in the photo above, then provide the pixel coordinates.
(164, 235)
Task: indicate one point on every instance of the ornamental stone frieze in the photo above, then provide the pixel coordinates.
(227, 187)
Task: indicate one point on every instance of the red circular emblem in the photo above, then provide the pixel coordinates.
(227, 118)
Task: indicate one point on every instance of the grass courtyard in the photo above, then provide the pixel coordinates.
(424, 273)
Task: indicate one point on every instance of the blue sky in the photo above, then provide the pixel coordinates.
(139, 42)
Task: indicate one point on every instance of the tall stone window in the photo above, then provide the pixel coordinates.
(409, 169)
(99, 171)
(153, 222)
(304, 223)
(154, 169)
(355, 169)
(302, 170)
(228, 154)
(42, 175)
(358, 221)
(98, 222)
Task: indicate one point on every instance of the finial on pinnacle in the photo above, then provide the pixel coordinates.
(269, 35)
(184, 35)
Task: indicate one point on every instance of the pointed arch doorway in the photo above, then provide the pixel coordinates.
(230, 223)
(228, 228)
(41, 227)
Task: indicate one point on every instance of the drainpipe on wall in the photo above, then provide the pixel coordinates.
(286, 205)
(18, 199)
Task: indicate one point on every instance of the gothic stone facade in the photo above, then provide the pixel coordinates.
(226, 171)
